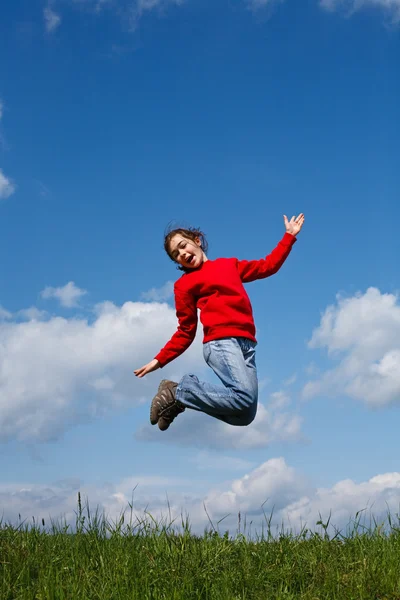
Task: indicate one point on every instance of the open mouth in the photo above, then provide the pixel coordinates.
(190, 259)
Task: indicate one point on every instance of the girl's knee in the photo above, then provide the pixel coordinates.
(248, 418)
(246, 415)
(248, 406)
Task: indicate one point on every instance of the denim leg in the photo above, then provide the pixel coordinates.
(235, 402)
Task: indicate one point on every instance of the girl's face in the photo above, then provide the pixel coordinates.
(186, 252)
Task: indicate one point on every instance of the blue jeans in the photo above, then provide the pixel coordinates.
(233, 361)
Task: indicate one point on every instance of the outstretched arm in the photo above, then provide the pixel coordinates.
(186, 312)
(250, 270)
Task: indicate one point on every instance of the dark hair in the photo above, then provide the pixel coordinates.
(190, 233)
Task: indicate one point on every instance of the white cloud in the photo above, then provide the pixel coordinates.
(377, 495)
(275, 487)
(196, 429)
(279, 400)
(272, 487)
(159, 294)
(59, 500)
(1, 109)
(272, 481)
(362, 334)
(4, 314)
(57, 372)
(68, 295)
(295, 502)
(390, 7)
(52, 20)
(32, 314)
(29, 314)
(7, 187)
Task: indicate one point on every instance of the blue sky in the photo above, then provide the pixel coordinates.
(117, 117)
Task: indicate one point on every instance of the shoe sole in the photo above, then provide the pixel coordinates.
(163, 424)
(154, 410)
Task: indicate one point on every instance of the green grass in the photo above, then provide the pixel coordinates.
(146, 560)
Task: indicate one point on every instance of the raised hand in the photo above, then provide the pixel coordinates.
(153, 365)
(294, 225)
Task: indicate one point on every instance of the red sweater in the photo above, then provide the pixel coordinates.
(216, 289)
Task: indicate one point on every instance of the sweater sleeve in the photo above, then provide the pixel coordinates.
(186, 312)
(250, 270)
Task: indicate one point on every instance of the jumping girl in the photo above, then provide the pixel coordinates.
(215, 287)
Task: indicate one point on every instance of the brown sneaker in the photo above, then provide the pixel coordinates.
(164, 406)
